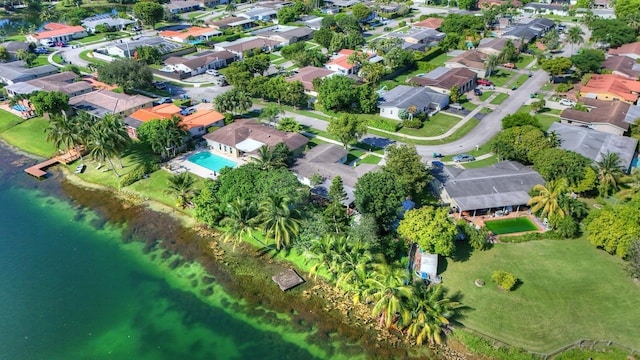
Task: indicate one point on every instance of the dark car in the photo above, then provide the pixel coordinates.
(478, 92)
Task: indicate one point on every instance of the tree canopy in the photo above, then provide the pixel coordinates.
(556, 163)
(380, 195)
(430, 228)
(347, 128)
(556, 66)
(53, 102)
(519, 119)
(588, 61)
(340, 93)
(613, 32)
(615, 227)
(404, 162)
(520, 143)
(457, 24)
(149, 12)
(127, 73)
(235, 101)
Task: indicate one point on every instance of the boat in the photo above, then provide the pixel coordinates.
(80, 168)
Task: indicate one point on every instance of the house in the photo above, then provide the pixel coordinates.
(623, 66)
(312, 21)
(529, 29)
(443, 79)
(631, 50)
(611, 87)
(242, 45)
(182, 6)
(342, 4)
(108, 20)
(200, 62)
(259, 14)
(341, 63)
(246, 136)
(232, 22)
(101, 102)
(65, 82)
(123, 48)
(197, 123)
(307, 74)
(190, 35)
(403, 97)
(418, 39)
(470, 59)
(546, 9)
(328, 161)
(504, 185)
(428, 23)
(56, 32)
(286, 35)
(494, 46)
(485, 4)
(16, 71)
(594, 144)
(604, 116)
(13, 47)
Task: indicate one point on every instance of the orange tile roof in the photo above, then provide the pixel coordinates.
(632, 48)
(342, 59)
(145, 115)
(614, 84)
(55, 26)
(58, 30)
(202, 118)
(165, 111)
(192, 31)
(429, 23)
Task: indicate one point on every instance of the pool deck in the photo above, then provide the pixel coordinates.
(181, 164)
(480, 220)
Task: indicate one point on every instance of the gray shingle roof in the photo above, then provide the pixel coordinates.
(504, 184)
(403, 96)
(15, 71)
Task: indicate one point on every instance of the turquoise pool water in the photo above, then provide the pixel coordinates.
(211, 161)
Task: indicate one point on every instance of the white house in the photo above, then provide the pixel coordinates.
(55, 32)
(200, 62)
(114, 23)
(402, 97)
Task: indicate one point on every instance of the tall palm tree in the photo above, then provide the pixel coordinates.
(279, 221)
(60, 132)
(231, 7)
(101, 146)
(546, 202)
(387, 289)
(22, 54)
(239, 222)
(430, 312)
(631, 185)
(118, 135)
(490, 64)
(575, 36)
(82, 124)
(609, 173)
(181, 185)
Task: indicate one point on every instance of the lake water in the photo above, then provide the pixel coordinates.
(72, 289)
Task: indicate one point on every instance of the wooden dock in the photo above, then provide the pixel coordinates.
(38, 169)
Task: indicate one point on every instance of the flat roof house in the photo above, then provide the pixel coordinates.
(15, 72)
(443, 79)
(605, 116)
(307, 74)
(244, 137)
(631, 50)
(595, 144)
(201, 62)
(65, 82)
(418, 39)
(56, 32)
(241, 45)
(190, 35)
(231, 22)
(402, 97)
(114, 23)
(197, 123)
(470, 59)
(101, 102)
(502, 185)
(611, 87)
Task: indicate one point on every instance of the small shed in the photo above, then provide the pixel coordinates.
(287, 279)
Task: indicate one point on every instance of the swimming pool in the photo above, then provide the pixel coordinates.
(211, 161)
(509, 226)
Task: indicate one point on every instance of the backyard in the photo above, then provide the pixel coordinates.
(434, 126)
(28, 135)
(568, 290)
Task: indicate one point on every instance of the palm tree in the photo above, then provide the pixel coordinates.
(609, 173)
(231, 7)
(266, 160)
(546, 202)
(631, 185)
(279, 221)
(102, 148)
(430, 312)
(575, 36)
(118, 134)
(60, 132)
(373, 72)
(239, 222)
(82, 131)
(22, 54)
(490, 64)
(181, 185)
(387, 290)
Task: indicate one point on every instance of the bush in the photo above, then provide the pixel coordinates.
(385, 124)
(480, 346)
(533, 236)
(414, 123)
(505, 280)
(138, 173)
(402, 23)
(564, 87)
(426, 66)
(182, 102)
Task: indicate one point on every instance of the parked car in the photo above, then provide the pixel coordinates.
(165, 100)
(212, 72)
(567, 102)
(509, 65)
(484, 82)
(187, 111)
(477, 92)
(455, 106)
(41, 50)
(160, 85)
(463, 158)
(487, 87)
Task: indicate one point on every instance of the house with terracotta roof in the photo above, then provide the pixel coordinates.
(443, 79)
(611, 87)
(307, 74)
(244, 137)
(605, 116)
(470, 59)
(428, 23)
(197, 123)
(200, 62)
(56, 32)
(341, 64)
(102, 102)
(65, 82)
(190, 35)
(631, 50)
(623, 66)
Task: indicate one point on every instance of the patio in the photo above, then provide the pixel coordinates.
(181, 164)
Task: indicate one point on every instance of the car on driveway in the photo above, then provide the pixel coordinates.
(166, 100)
(455, 106)
(484, 82)
(477, 92)
(463, 158)
(567, 102)
(187, 111)
(212, 72)
(487, 87)
(509, 65)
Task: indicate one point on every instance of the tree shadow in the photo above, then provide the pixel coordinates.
(517, 285)
(463, 252)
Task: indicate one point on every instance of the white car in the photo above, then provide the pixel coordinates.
(567, 102)
(212, 72)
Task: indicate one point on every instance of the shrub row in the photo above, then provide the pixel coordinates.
(385, 124)
(138, 173)
(533, 236)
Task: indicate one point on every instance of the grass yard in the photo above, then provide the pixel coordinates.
(481, 163)
(370, 159)
(499, 99)
(524, 61)
(28, 135)
(436, 125)
(569, 290)
(42, 59)
(468, 105)
(440, 59)
(57, 58)
(501, 76)
(520, 80)
(8, 120)
(485, 95)
(85, 56)
(546, 120)
(462, 131)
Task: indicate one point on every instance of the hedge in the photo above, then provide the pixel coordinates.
(385, 124)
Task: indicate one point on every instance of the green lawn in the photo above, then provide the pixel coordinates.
(28, 135)
(440, 59)
(524, 61)
(569, 290)
(499, 99)
(8, 120)
(42, 59)
(481, 163)
(459, 133)
(520, 80)
(57, 58)
(85, 56)
(485, 95)
(501, 76)
(464, 101)
(546, 120)
(370, 159)
(436, 125)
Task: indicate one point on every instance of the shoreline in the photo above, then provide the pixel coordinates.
(316, 306)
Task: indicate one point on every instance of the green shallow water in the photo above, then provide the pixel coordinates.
(71, 289)
(510, 226)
